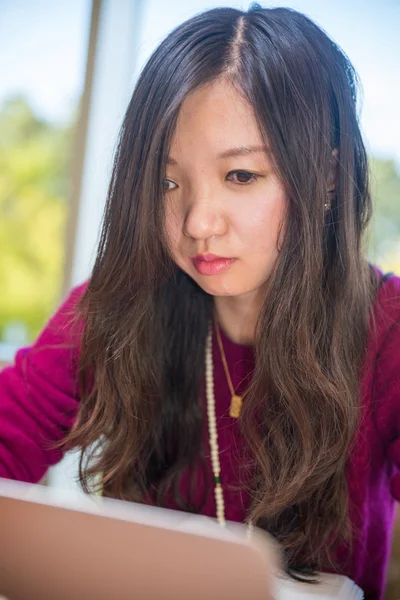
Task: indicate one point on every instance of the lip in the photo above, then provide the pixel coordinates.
(211, 264)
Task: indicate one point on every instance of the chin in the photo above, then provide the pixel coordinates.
(224, 284)
(219, 288)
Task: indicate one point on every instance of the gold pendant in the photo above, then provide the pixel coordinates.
(236, 405)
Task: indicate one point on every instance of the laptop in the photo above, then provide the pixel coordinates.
(61, 545)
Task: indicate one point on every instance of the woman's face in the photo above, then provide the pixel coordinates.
(222, 197)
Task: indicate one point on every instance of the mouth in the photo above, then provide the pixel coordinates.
(210, 264)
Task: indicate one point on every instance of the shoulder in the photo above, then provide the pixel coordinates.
(71, 300)
(67, 315)
(389, 293)
(385, 327)
(40, 394)
(386, 387)
(384, 355)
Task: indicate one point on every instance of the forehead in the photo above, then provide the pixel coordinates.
(213, 118)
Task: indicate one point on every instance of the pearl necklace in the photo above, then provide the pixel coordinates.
(213, 435)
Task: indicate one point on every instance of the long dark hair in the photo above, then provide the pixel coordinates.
(145, 321)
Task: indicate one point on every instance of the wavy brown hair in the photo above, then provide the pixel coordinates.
(145, 321)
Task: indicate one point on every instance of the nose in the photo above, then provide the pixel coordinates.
(204, 218)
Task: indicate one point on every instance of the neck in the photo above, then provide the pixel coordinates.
(237, 316)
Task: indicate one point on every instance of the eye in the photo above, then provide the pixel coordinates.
(243, 177)
(166, 185)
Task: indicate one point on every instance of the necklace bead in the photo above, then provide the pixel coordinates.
(213, 436)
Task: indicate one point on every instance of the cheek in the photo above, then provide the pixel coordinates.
(260, 226)
(173, 225)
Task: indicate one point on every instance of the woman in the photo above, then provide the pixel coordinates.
(237, 355)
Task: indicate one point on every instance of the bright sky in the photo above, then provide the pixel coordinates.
(43, 45)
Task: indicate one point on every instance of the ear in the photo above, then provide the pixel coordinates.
(332, 175)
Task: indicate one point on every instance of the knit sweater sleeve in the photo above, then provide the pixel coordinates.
(388, 383)
(39, 396)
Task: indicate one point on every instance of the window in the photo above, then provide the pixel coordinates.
(43, 46)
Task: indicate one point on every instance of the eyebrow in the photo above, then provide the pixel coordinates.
(238, 151)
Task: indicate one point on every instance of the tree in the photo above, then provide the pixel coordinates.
(33, 207)
(384, 248)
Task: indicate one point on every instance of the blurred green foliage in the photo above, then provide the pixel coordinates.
(384, 237)
(34, 193)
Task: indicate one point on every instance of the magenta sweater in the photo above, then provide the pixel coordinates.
(39, 400)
